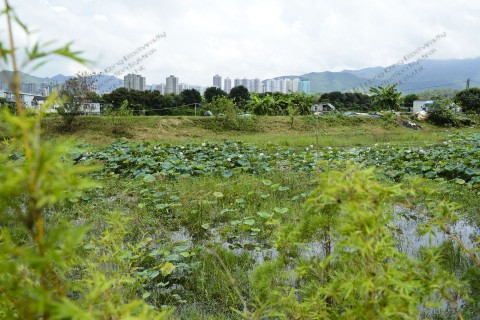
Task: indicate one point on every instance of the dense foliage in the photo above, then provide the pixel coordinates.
(74, 97)
(469, 100)
(386, 98)
(145, 102)
(239, 95)
(442, 113)
(213, 92)
(456, 159)
(348, 100)
(408, 100)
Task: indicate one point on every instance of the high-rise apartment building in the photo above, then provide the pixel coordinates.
(244, 82)
(295, 83)
(28, 88)
(227, 85)
(304, 86)
(199, 89)
(217, 81)
(183, 86)
(134, 82)
(257, 85)
(160, 87)
(237, 82)
(172, 85)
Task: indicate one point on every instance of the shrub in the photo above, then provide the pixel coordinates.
(117, 118)
(442, 113)
(227, 118)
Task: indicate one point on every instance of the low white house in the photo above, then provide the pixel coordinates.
(85, 109)
(90, 108)
(421, 105)
(323, 107)
(35, 102)
(25, 98)
(425, 105)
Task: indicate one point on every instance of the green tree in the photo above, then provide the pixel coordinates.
(239, 95)
(74, 96)
(222, 107)
(213, 92)
(442, 113)
(408, 100)
(226, 116)
(190, 97)
(118, 117)
(261, 105)
(386, 98)
(469, 100)
(335, 97)
(302, 102)
(116, 97)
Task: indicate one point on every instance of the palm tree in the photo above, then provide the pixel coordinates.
(261, 106)
(386, 97)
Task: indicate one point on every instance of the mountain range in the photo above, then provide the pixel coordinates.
(411, 78)
(105, 83)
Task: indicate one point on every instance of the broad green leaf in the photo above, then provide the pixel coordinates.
(167, 268)
(267, 182)
(264, 214)
(218, 194)
(249, 222)
(280, 210)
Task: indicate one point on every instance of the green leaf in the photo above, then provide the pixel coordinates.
(249, 222)
(167, 268)
(264, 214)
(173, 257)
(181, 248)
(227, 174)
(218, 194)
(267, 182)
(280, 210)
(146, 295)
(149, 178)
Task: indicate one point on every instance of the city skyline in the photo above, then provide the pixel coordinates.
(284, 85)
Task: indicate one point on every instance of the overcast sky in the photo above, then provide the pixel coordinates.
(263, 38)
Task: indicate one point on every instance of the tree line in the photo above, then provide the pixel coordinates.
(190, 102)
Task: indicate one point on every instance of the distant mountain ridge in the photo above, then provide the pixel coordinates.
(105, 83)
(411, 78)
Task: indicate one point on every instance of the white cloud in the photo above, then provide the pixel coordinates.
(58, 9)
(254, 38)
(100, 17)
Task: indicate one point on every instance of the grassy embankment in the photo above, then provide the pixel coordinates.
(333, 131)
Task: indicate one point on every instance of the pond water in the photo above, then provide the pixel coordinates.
(409, 241)
(406, 234)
